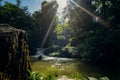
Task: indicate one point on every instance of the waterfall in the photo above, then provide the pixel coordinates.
(40, 51)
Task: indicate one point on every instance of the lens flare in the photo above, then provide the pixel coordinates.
(62, 4)
(103, 22)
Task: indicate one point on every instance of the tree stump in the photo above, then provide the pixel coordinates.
(14, 54)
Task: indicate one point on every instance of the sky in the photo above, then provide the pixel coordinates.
(33, 5)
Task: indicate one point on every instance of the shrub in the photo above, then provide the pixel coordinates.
(52, 74)
(35, 75)
(78, 76)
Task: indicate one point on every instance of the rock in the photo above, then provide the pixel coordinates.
(92, 78)
(14, 53)
(65, 78)
(104, 78)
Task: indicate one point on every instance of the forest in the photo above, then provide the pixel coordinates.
(86, 30)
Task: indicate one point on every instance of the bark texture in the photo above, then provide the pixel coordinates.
(14, 53)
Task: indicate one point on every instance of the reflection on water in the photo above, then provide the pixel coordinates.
(67, 66)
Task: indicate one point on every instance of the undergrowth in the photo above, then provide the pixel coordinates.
(53, 74)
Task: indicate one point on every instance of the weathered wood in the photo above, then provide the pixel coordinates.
(14, 53)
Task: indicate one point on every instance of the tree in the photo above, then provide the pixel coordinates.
(37, 32)
(18, 3)
(95, 41)
(17, 17)
(0, 2)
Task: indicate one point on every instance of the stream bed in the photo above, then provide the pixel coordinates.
(67, 66)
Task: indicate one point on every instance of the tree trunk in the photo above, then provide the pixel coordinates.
(14, 54)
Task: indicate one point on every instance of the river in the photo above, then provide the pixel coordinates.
(66, 66)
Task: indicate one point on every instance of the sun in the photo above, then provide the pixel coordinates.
(62, 4)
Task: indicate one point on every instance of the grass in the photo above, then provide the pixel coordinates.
(72, 69)
(53, 74)
(44, 66)
(40, 66)
(68, 67)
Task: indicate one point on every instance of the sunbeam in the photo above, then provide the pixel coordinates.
(48, 11)
(81, 17)
(48, 31)
(103, 22)
(62, 4)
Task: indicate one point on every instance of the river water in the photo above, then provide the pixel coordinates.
(66, 66)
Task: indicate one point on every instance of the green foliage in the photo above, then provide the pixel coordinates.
(33, 75)
(60, 37)
(4, 76)
(106, 10)
(52, 74)
(104, 78)
(18, 3)
(78, 76)
(95, 42)
(59, 29)
(56, 20)
(19, 17)
(61, 34)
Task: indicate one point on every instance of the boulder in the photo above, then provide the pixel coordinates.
(14, 53)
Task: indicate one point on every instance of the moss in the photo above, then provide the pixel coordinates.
(14, 53)
(4, 76)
